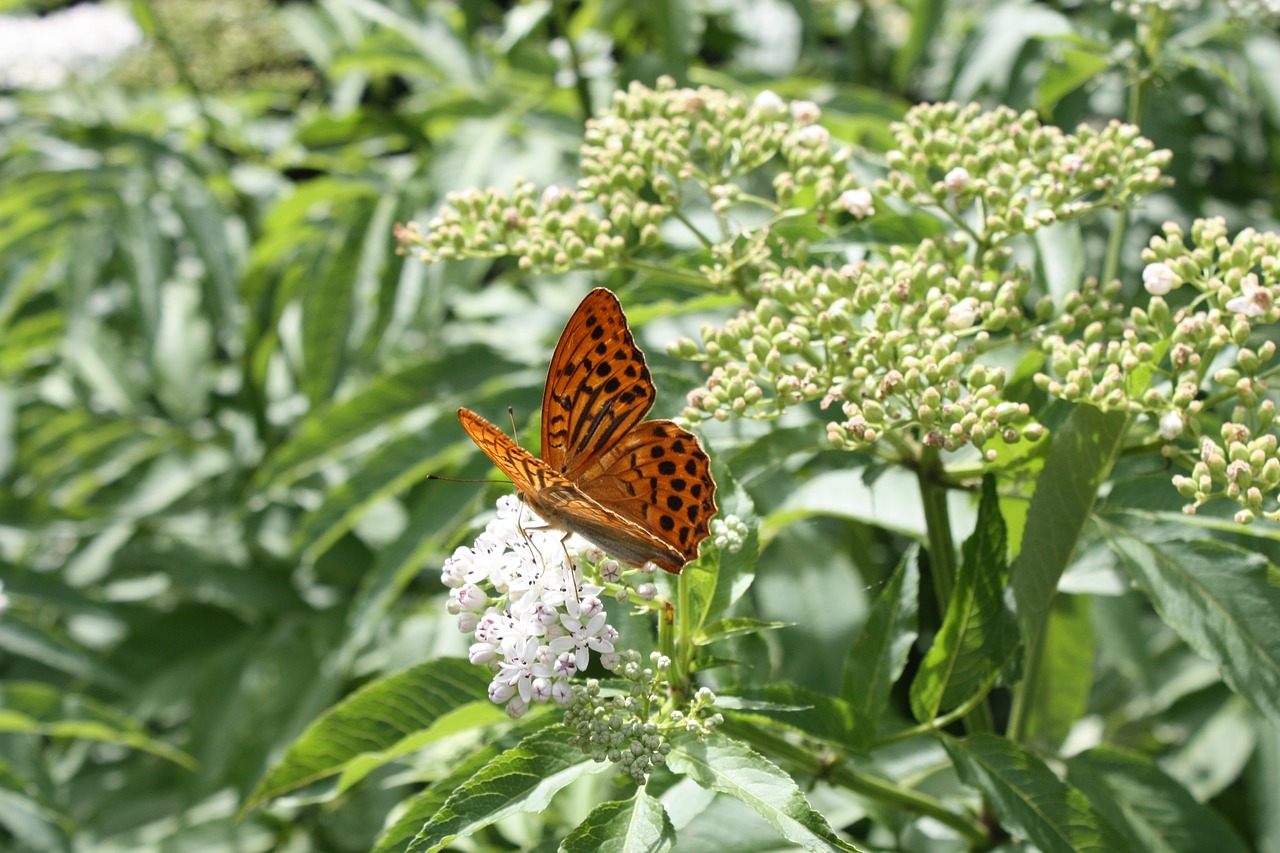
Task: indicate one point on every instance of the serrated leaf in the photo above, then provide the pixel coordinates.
(878, 656)
(819, 715)
(422, 807)
(387, 718)
(637, 825)
(979, 635)
(1028, 799)
(1083, 453)
(1148, 806)
(1060, 695)
(1221, 601)
(735, 626)
(731, 768)
(521, 780)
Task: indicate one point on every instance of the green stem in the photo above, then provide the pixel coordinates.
(930, 473)
(575, 60)
(841, 774)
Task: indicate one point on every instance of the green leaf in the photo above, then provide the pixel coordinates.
(638, 825)
(422, 807)
(735, 627)
(381, 721)
(817, 714)
(878, 656)
(729, 767)
(979, 634)
(383, 401)
(41, 709)
(1083, 453)
(1028, 799)
(521, 780)
(1068, 70)
(1149, 807)
(1221, 601)
(1060, 695)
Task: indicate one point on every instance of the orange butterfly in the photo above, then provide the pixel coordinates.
(640, 490)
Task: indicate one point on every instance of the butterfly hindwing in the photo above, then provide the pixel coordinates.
(658, 476)
(598, 386)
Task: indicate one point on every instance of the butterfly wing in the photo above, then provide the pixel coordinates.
(527, 472)
(598, 386)
(564, 505)
(657, 476)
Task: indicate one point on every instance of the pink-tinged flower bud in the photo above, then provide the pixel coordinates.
(1072, 163)
(805, 112)
(1159, 279)
(857, 202)
(957, 180)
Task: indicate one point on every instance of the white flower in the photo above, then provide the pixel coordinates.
(857, 202)
(813, 135)
(1159, 279)
(1170, 425)
(963, 314)
(646, 592)
(1072, 163)
(610, 570)
(472, 597)
(551, 195)
(1254, 299)
(957, 180)
(769, 105)
(805, 112)
(561, 692)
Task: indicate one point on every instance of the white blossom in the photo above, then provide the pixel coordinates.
(805, 112)
(1159, 279)
(957, 180)
(769, 105)
(533, 620)
(1254, 299)
(857, 202)
(1170, 425)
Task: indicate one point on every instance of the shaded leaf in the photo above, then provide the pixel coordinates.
(1153, 811)
(385, 719)
(979, 634)
(878, 656)
(1222, 601)
(521, 780)
(638, 825)
(729, 767)
(1029, 800)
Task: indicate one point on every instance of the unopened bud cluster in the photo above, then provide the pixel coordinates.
(896, 345)
(729, 532)
(655, 154)
(1004, 173)
(893, 345)
(1185, 369)
(619, 728)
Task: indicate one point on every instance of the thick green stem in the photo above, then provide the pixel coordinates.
(942, 555)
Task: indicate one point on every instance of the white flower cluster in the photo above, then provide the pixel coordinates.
(41, 53)
(535, 622)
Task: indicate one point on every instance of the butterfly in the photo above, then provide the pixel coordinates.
(640, 490)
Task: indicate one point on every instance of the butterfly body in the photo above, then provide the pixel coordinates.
(640, 490)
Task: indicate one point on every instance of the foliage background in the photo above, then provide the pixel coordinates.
(221, 388)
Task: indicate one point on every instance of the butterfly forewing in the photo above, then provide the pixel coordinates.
(564, 505)
(641, 490)
(598, 386)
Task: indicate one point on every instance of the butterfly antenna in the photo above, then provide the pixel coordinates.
(515, 432)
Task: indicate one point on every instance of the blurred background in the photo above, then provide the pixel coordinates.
(221, 388)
